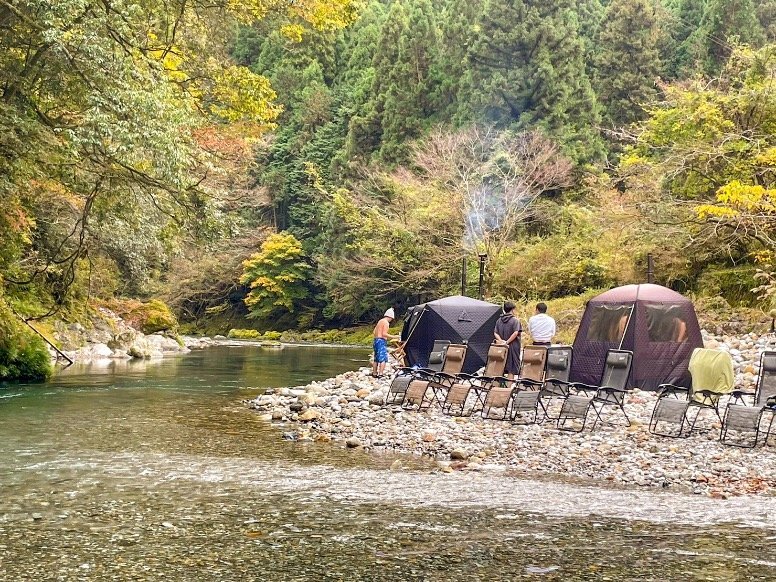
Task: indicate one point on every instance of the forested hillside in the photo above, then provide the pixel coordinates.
(308, 163)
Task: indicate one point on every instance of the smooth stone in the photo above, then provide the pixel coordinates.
(459, 455)
(310, 414)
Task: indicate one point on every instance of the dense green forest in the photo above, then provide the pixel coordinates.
(304, 164)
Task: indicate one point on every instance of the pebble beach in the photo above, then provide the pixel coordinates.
(349, 409)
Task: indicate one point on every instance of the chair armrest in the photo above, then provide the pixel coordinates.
(612, 390)
(557, 382)
(468, 377)
(528, 383)
(580, 387)
(737, 396)
(666, 389)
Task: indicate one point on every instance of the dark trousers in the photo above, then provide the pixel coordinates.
(542, 343)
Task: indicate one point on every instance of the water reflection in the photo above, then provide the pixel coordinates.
(154, 469)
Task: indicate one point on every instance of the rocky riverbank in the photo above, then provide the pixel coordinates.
(109, 337)
(349, 409)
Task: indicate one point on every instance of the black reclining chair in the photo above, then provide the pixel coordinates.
(610, 392)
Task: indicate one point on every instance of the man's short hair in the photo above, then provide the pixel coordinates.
(541, 307)
(508, 306)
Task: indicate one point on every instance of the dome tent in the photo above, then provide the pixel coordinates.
(458, 319)
(657, 324)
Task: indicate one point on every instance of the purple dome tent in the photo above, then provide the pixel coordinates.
(659, 325)
(458, 319)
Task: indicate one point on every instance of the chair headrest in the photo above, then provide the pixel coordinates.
(617, 360)
(455, 353)
(769, 362)
(497, 352)
(533, 355)
(558, 361)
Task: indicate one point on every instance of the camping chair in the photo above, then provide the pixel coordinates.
(610, 391)
(438, 383)
(404, 376)
(528, 387)
(712, 376)
(459, 392)
(556, 377)
(742, 418)
(501, 396)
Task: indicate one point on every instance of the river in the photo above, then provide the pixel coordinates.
(155, 470)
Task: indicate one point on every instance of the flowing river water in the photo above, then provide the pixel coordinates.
(155, 470)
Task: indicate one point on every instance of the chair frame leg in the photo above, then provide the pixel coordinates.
(507, 410)
(697, 414)
(447, 407)
(514, 413)
(563, 419)
(770, 424)
(599, 411)
(653, 425)
(723, 433)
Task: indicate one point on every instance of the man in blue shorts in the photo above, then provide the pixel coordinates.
(380, 343)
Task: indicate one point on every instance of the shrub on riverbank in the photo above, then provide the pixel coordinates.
(353, 336)
(148, 317)
(23, 355)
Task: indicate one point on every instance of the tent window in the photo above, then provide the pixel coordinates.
(608, 323)
(666, 323)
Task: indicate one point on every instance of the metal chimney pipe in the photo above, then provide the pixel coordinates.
(482, 256)
(463, 276)
(650, 269)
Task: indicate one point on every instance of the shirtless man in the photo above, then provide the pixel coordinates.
(380, 343)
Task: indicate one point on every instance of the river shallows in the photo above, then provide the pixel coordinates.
(152, 470)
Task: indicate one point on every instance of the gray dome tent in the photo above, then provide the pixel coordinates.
(458, 319)
(659, 325)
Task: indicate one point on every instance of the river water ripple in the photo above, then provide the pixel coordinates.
(157, 472)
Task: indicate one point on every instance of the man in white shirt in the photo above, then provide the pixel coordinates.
(541, 326)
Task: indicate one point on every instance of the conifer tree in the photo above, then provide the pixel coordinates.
(590, 14)
(365, 131)
(529, 72)
(687, 37)
(413, 94)
(457, 34)
(725, 22)
(766, 13)
(628, 62)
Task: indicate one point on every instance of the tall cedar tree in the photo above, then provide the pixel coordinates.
(725, 22)
(457, 32)
(355, 85)
(365, 134)
(628, 62)
(413, 95)
(529, 72)
(590, 14)
(687, 37)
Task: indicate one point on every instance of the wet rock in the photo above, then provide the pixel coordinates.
(307, 398)
(459, 454)
(353, 443)
(310, 414)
